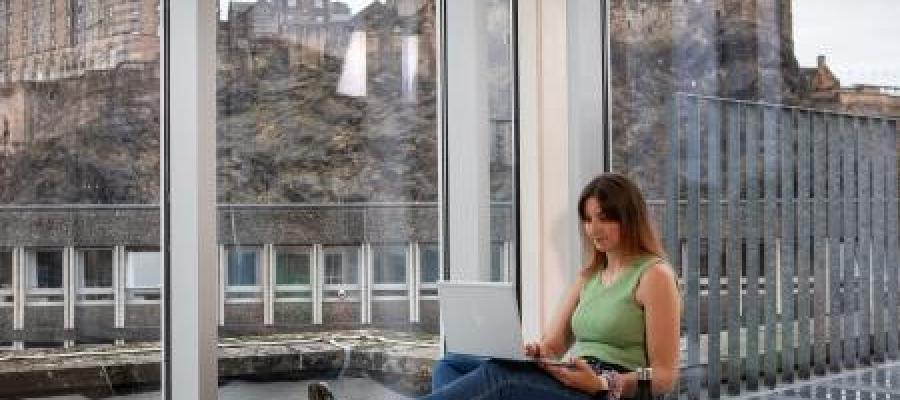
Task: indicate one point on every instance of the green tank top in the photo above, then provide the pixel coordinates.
(608, 323)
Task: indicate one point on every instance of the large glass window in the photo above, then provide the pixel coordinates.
(79, 186)
(765, 140)
(327, 159)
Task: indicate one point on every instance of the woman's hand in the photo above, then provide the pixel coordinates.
(535, 350)
(577, 375)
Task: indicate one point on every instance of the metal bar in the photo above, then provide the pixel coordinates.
(776, 105)
(672, 187)
(891, 256)
(848, 164)
(788, 247)
(880, 294)
(769, 265)
(864, 229)
(733, 259)
(752, 233)
(691, 266)
(804, 240)
(820, 175)
(834, 247)
(714, 245)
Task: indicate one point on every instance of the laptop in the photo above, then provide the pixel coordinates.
(481, 319)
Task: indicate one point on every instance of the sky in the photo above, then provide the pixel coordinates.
(860, 38)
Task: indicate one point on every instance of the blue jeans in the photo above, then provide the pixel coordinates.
(462, 377)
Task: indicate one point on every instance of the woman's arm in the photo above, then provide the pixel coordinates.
(558, 338)
(658, 293)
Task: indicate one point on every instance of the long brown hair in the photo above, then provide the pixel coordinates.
(621, 201)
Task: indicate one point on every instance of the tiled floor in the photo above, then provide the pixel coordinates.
(877, 383)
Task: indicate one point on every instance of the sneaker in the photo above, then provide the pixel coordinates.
(319, 391)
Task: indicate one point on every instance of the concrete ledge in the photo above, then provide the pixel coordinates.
(405, 360)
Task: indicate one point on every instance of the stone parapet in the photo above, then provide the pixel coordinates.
(405, 359)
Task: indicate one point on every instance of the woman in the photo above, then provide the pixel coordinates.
(621, 313)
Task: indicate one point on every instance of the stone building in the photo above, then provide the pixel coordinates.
(736, 49)
(826, 92)
(53, 40)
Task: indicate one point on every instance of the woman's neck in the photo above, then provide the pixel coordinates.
(617, 260)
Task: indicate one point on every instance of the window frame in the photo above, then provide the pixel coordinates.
(81, 291)
(188, 205)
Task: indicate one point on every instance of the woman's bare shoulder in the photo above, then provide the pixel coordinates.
(660, 272)
(657, 279)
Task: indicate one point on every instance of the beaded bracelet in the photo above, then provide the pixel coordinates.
(613, 383)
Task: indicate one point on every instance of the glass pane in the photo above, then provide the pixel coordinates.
(143, 269)
(79, 186)
(292, 267)
(97, 269)
(390, 264)
(342, 265)
(765, 141)
(6, 266)
(243, 267)
(430, 262)
(327, 166)
(47, 270)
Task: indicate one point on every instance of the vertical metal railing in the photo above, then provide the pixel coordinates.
(782, 224)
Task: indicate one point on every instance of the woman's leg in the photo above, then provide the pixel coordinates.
(451, 367)
(506, 380)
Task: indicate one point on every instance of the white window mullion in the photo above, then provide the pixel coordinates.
(268, 278)
(119, 288)
(222, 280)
(507, 261)
(19, 279)
(366, 281)
(316, 279)
(562, 119)
(412, 280)
(468, 136)
(189, 179)
(70, 278)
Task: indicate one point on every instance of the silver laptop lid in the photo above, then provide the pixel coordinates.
(481, 318)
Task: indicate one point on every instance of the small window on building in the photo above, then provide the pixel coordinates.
(430, 263)
(498, 263)
(243, 266)
(46, 270)
(96, 268)
(6, 267)
(342, 266)
(144, 269)
(389, 264)
(292, 266)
